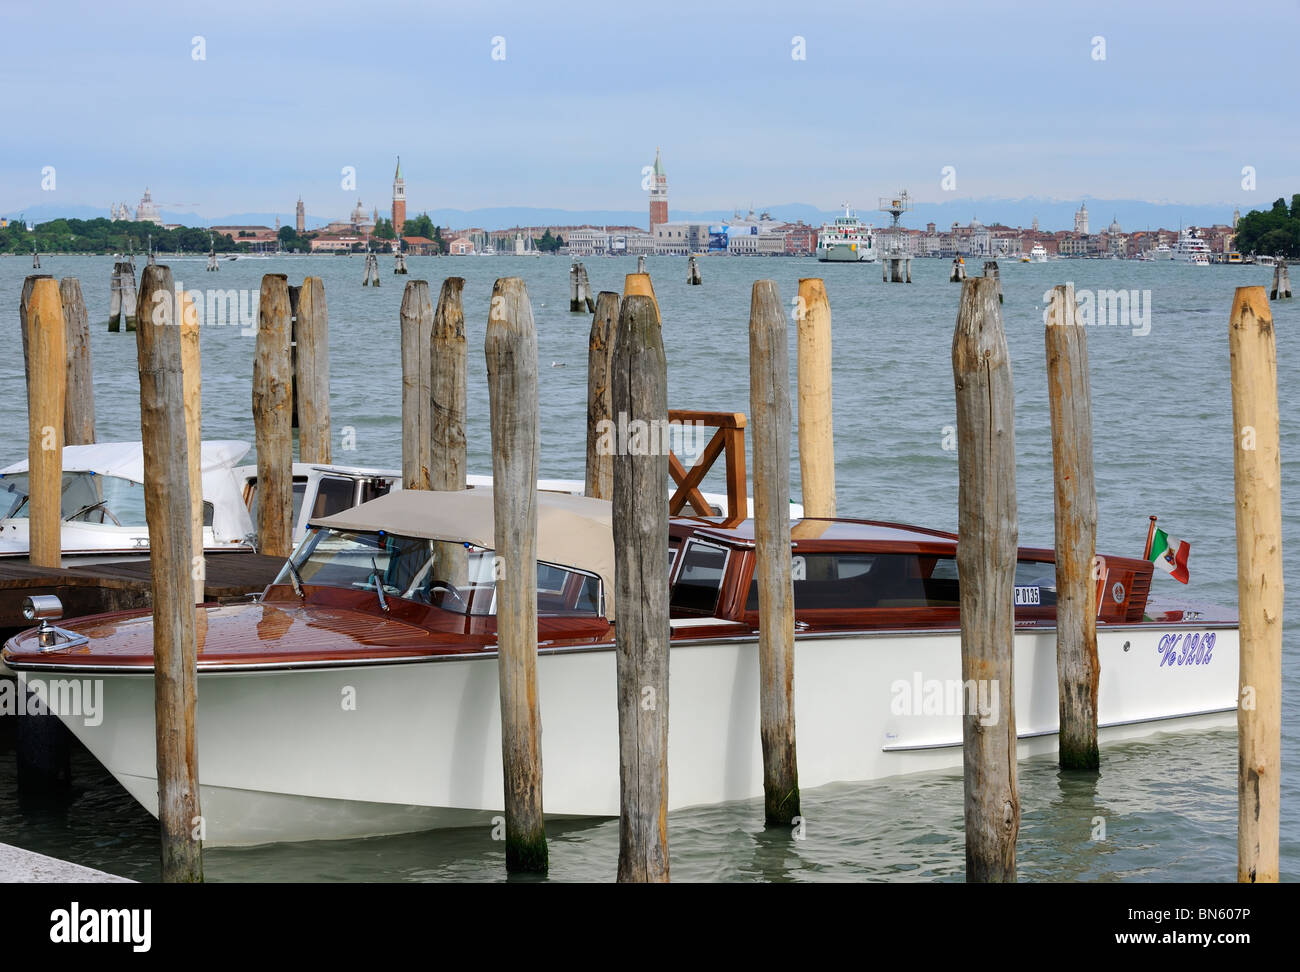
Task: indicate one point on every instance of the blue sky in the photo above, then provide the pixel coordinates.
(1010, 95)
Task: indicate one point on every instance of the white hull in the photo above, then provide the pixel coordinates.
(845, 253)
(282, 758)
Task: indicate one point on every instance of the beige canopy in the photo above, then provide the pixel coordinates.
(572, 531)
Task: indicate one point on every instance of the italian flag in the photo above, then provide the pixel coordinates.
(1170, 553)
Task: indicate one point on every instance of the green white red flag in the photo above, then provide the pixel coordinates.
(1170, 554)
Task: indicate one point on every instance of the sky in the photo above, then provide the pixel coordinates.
(1004, 100)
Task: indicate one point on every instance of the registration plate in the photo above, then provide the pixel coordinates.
(1028, 596)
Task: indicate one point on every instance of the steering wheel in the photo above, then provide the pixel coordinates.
(102, 505)
(448, 589)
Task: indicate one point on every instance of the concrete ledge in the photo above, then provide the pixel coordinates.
(18, 866)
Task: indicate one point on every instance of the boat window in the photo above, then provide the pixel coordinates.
(299, 493)
(450, 575)
(87, 498)
(847, 581)
(333, 495)
(699, 580)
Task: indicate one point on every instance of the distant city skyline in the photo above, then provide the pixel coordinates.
(497, 107)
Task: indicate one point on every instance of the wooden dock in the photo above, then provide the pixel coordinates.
(121, 586)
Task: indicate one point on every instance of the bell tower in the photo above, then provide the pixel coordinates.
(658, 194)
(399, 200)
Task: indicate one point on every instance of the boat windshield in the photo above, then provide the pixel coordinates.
(454, 576)
(87, 498)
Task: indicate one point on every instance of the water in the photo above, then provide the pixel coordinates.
(1163, 445)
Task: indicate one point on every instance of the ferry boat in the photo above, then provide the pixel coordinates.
(847, 240)
(392, 603)
(1039, 253)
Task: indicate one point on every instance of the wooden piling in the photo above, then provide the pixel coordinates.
(399, 263)
(991, 270)
(600, 404)
(584, 289)
(24, 299)
(511, 352)
(312, 373)
(639, 283)
(167, 509)
(36, 260)
(988, 532)
(1258, 478)
(79, 411)
(449, 361)
(417, 398)
(272, 408)
(640, 264)
(816, 428)
(574, 304)
(1281, 281)
(1070, 399)
(958, 271)
(47, 376)
(192, 382)
(769, 415)
(693, 271)
(640, 391)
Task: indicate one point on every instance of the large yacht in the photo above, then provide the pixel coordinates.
(847, 240)
(1192, 249)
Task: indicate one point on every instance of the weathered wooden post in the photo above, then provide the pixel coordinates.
(448, 358)
(272, 408)
(192, 383)
(79, 412)
(584, 289)
(640, 391)
(693, 271)
(167, 510)
(640, 263)
(511, 352)
(212, 266)
(958, 270)
(769, 412)
(36, 259)
(121, 304)
(47, 377)
(600, 407)
(312, 374)
(988, 531)
(1281, 281)
(1258, 475)
(574, 304)
(399, 263)
(28, 283)
(417, 400)
(639, 283)
(1070, 399)
(991, 270)
(816, 428)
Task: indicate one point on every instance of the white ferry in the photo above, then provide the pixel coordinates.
(1192, 249)
(847, 240)
(1039, 253)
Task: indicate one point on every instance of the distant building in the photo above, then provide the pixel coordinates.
(420, 245)
(330, 242)
(246, 234)
(658, 195)
(148, 211)
(399, 200)
(300, 218)
(681, 239)
(1081, 220)
(461, 246)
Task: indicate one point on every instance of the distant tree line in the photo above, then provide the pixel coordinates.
(110, 236)
(1272, 233)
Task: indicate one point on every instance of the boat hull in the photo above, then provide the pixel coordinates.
(357, 751)
(845, 253)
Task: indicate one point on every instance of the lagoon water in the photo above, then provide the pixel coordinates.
(1163, 445)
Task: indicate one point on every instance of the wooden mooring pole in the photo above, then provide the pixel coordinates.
(816, 427)
(640, 391)
(1258, 477)
(272, 419)
(511, 352)
(1281, 281)
(192, 383)
(1070, 400)
(47, 376)
(988, 531)
(600, 407)
(449, 361)
(23, 301)
(79, 412)
(417, 399)
(312, 373)
(769, 415)
(991, 270)
(958, 270)
(167, 510)
(693, 272)
(122, 297)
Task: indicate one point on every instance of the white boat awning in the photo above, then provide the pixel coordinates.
(572, 531)
(126, 459)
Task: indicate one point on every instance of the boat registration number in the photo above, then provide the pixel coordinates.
(1028, 595)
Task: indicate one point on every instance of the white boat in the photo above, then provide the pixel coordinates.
(1038, 253)
(377, 608)
(847, 240)
(1191, 249)
(1160, 252)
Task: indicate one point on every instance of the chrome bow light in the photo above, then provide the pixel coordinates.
(46, 608)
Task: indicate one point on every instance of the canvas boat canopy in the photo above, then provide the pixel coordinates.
(572, 531)
(126, 459)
